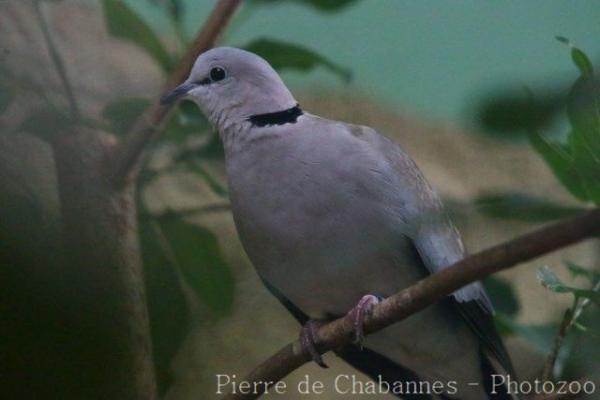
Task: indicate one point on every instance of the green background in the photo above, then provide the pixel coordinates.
(431, 58)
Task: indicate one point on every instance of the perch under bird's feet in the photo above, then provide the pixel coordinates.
(363, 308)
(308, 337)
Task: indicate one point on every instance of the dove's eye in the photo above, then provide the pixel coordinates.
(217, 74)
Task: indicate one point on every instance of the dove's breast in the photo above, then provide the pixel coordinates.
(319, 216)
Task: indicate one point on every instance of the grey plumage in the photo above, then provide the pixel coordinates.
(329, 212)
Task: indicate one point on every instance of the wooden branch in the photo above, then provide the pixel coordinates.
(426, 292)
(148, 126)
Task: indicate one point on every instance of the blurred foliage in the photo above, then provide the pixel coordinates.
(510, 113)
(581, 336)
(321, 5)
(577, 270)
(576, 164)
(122, 113)
(174, 8)
(503, 295)
(283, 56)
(523, 207)
(214, 184)
(540, 336)
(45, 122)
(578, 316)
(550, 281)
(195, 252)
(124, 23)
(169, 311)
(186, 120)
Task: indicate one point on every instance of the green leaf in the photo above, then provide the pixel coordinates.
(47, 122)
(508, 114)
(282, 55)
(582, 62)
(522, 207)
(550, 281)
(175, 8)
(562, 163)
(186, 120)
(7, 95)
(199, 258)
(540, 336)
(587, 162)
(580, 59)
(577, 164)
(124, 23)
(167, 307)
(321, 5)
(588, 294)
(577, 270)
(216, 186)
(503, 295)
(212, 150)
(583, 108)
(123, 112)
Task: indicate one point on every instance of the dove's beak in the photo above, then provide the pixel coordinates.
(177, 93)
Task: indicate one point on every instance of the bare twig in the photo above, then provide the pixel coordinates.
(548, 372)
(148, 126)
(428, 291)
(569, 319)
(57, 60)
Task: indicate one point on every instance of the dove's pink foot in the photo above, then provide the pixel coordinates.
(363, 308)
(308, 336)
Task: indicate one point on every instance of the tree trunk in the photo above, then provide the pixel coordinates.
(106, 316)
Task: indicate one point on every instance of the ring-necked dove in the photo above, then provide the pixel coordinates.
(334, 216)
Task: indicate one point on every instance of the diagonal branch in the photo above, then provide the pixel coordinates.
(426, 292)
(148, 126)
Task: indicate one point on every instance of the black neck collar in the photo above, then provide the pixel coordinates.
(289, 116)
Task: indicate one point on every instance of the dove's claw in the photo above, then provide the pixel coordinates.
(308, 335)
(362, 309)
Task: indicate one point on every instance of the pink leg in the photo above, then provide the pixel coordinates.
(308, 335)
(359, 312)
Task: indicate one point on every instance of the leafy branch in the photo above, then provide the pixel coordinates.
(149, 124)
(581, 299)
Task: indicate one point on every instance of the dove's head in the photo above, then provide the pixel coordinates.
(231, 85)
